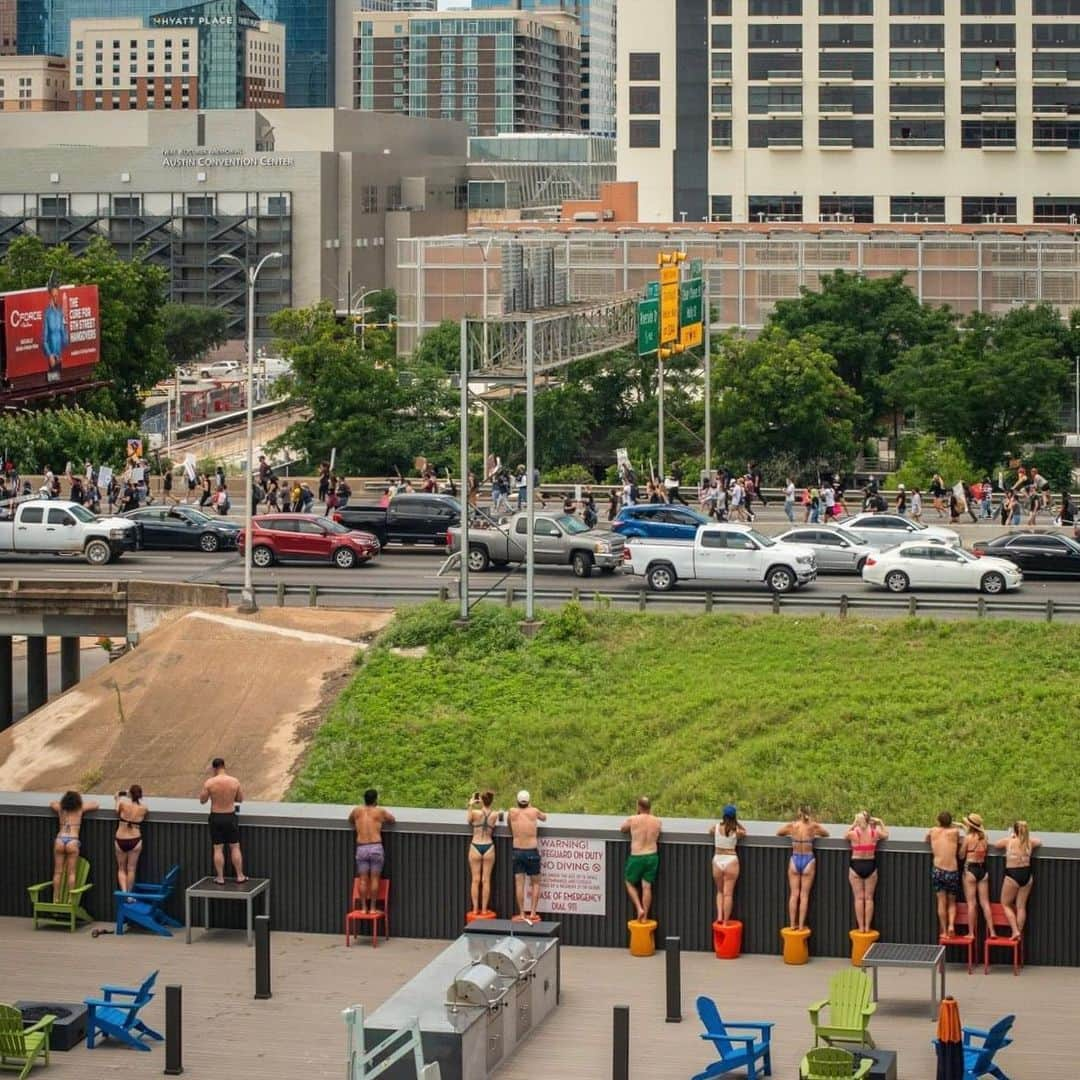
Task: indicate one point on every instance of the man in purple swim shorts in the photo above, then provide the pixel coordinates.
(368, 821)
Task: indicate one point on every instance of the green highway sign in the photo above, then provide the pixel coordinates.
(690, 307)
(652, 290)
(697, 268)
(648, 326)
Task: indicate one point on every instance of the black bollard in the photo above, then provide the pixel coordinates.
(674, 981)
(262, 957)
(174, 1031)
(620, 1059)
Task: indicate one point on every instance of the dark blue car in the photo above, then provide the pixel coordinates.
(659, 521)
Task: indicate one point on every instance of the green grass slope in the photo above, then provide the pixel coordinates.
(905, 717)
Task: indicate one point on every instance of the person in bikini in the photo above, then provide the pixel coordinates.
(864, 834)
(223, 793)
(367, 822)
(944, 840)
(725, 863)
(523, 820)
(802, 866)
(1016, 888)
(130, 815)
(976, 884)
(69, 809)
(482, 847)
(643, 862)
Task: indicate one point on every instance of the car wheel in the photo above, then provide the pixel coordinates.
(992, 584)
(896, 581)
(209, 543)
(780, 579)
(98, 553)
(344, 558)
(860, 566)
(478, 559)
(262, 556)
(582, 563)
(661, 578)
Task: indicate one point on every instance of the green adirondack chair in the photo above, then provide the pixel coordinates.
(68, 910)
(850, 1009)
(21, 1047)
(827, 1062)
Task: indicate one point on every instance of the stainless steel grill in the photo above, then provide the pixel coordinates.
(477, 985)
(510, 957)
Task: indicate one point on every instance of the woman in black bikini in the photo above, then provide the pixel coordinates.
(1016, 888)
(130, 814)
(864, 834)
(976, 884)
(482, 847)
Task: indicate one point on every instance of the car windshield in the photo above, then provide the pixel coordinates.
(192, 515)
(81, 513)
(332, 526)
(571, 525)
(761, 538)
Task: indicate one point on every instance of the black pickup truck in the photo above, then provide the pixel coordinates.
(409, 519)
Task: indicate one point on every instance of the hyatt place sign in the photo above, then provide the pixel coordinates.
(222, 159)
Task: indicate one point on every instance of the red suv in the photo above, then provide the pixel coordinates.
(306, 538)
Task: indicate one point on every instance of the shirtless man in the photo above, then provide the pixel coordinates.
(944, 840)
(523, 820)
(223, 793)
(368, 821)
(643, 862)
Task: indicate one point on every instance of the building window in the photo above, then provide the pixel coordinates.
(721, 8)
(52, 205)
(990, 7)
(719, 207)
(929, 208)
(845, 7)
(775, 208)
(846, 65)
(988, 210)
(1057, 210)
(917, 99)
(775, 65)
(645, 133)
(855, 208)
(645, 67)
(774, 99)
(1057, 133)
(858, 134)
(127, 205)
(990, 99)
(975, 66)
(926, 134)
(846, 99)
(771, 35)
(916, 7)
(916, 65)
(645, 100)
(1043, 34)
(901, 34)
(775, 7)
(1002, 34)
(1054, 7)
(845, 35)
(778, 133)
(721, 35)
(721, 134)
(277, 205)
(199, 205)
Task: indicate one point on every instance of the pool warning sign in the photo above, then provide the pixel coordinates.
(573, 879)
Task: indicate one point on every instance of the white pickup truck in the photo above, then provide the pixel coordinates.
(59, 527)
(719, 555)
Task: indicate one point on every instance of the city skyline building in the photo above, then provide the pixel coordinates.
(33, 83)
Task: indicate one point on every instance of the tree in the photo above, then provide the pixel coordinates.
(995, 385)
(866, 325)
(924, 455)
(190, 331)
(33, 440)
(131, 294)
(779, 393)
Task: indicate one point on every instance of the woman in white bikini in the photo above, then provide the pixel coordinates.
(1016, 888)
(69, 809)
(863, 836)
(130, 814)
(725, 863)
(482, 847)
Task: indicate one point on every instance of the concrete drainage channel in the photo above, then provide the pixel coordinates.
(705, 602)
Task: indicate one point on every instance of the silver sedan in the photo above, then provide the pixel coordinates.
(838, 551)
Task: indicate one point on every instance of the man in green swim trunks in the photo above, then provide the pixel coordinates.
(643, 862)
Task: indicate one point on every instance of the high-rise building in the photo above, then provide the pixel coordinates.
(212, 56)
(33, 83)
(596, 19)
(518, 71)
(951, 111)
(43, 27)
(8, 27)
(395, 5)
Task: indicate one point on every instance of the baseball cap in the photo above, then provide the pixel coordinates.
(523, 796)
(729, 810)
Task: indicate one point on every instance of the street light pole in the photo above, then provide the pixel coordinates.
(251, 273)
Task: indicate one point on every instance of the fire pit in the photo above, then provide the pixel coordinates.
(70, 1026)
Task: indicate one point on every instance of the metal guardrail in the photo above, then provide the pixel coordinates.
(643, 599)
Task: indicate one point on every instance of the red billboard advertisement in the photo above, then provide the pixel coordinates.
(50, 332)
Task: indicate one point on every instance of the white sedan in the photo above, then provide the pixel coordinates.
(920, 565)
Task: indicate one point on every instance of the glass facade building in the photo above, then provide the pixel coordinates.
(43, 27)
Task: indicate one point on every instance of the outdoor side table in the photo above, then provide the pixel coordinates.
(931, 957)
(207, 889)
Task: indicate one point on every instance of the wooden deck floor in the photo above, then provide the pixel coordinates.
(299, 1034)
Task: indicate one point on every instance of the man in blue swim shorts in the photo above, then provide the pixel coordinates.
(523, 820)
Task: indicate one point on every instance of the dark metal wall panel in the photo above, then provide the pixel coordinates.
(311, 870)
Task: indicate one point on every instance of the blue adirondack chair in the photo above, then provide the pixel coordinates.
(118, 1019)
(979, 1057)
(144, 905)
(737, 1048)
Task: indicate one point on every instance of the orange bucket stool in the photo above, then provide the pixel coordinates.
(642, 942)
(472, 916)
(861, 940)
(727, 939)
(796, 945)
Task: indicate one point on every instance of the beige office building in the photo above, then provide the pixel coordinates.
(863, 111)
(33, 83)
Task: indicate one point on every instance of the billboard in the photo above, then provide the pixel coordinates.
(51, 335)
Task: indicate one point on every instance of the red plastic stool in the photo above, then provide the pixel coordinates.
(472, 916)
(727, 939)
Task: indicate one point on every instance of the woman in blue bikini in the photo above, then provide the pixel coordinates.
(482, 846)
(802, 867)
(69, 810)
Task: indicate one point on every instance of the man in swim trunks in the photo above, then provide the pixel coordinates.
(643, 862)
(223, 793)
(523, 820)
(368, 821)
(944, 840)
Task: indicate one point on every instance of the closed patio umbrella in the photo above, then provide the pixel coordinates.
(949, 1045)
